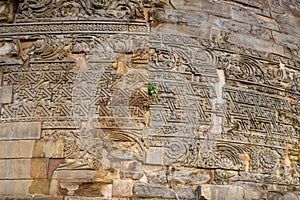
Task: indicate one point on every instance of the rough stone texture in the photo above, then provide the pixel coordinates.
(149, 99)
(221, 192)
(122, 188)
(6, 94)
(20, 130)
(144, 190)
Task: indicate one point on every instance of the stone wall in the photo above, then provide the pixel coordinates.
(140, 99)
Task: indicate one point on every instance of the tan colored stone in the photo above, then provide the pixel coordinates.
(16, 149)
(39, 186)
(54, 149)
(20, 130)
(122, 188)
(14, 187)
(6, 94)
(31, 148)
(75, 175)
(211, 192)
(246, 159)
(23, 168)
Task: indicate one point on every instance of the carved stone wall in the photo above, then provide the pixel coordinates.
(138, 99)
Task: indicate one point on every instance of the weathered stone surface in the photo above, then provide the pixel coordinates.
(182, 29)
(252, 194)
(6, 94)
(31, 148)
(142, 99)
(253, 42)
(230, 25)
(288, 23)
(290, 41)
(152, 191)
(20, 130)
(131, 169)
(221, 192)
(14, 187)
(154, 156)
(23, 188)
(244, 15)
(184, 175)
(218, 9)
(122, 188)
(74, 175)
(23, 168)
(186, 192)
(289, 196)
(261, 32)
(174, 16)
(155, 174)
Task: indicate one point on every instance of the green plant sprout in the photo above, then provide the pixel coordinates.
(151, 89)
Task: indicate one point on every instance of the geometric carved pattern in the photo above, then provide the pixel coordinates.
(215, 104)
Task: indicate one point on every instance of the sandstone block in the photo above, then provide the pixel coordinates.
(174, 16)
(219, 192)
(218, 9)
(155, 156)
(23, 168)
(146, 190)
(31, 148)
(20, 130)
(289, 196)
(184, 175)
(186, 192)
(131, 169)
(252, 194)
(74, 175)
(230, 25)
(290, 41)
(122, 188)
(14, 187)
(6, 94)
(16, 149)
(288, 23)
(249, 41)
(244, 15)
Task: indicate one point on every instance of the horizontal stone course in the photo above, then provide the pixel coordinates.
(219, 9)
(20, 130)
(23, 168)
(290, 41)
(246, 16)
(31, 148)
(249, 41)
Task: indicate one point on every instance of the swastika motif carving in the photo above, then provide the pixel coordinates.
(84, 75)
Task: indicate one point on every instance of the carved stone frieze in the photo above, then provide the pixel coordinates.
(114, 91)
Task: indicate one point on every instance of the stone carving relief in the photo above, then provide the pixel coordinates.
(217, 106)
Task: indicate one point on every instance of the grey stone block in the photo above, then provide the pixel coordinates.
(229, 25)
(249, 41)
(186, 192)
(244, 15)
(6, 94)
(146, 190)
(290, 41)
(215, 8)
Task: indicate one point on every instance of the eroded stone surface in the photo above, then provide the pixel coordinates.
(149, 99)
